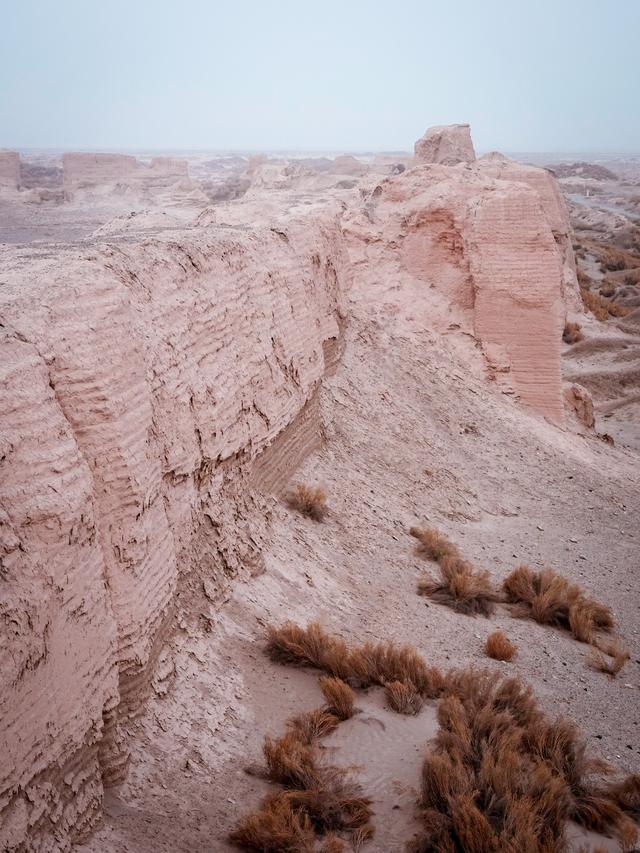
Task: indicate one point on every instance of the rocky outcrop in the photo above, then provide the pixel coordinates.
(87, 173)
(479, 253)
(140, 384)
(347, 164)
(449, 145)
(9, 170)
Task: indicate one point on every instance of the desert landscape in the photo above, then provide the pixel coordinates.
(319, 500)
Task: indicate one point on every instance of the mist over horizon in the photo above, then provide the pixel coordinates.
(297, 77)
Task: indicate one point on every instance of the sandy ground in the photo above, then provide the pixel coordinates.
(411, 437)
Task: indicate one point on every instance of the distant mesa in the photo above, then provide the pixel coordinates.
(347, 164)
(583, 170)
(448, 145)
(9, 170)
(86, 171)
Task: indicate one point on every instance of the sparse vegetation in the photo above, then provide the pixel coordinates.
(340, 697)
(461, 586)
(501, 776)
(403, 698)
(318, 799)
(609, 657)
(572, 333)
(361, 666)
(499, 647)
(276, 827)
(310, 501)
(432, 544)
(600, 307)
(504, 777)
(550, 599)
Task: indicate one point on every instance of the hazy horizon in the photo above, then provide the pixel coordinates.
(367, 77)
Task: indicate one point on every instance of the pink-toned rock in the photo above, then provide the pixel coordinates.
(580, 403)
(449, 144)
(485, 255)
(84, 172)
(555, 208)
(9, 170)
(347, 164)
(140, 386)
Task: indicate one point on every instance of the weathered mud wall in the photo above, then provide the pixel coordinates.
(140, 383)
(489, 256)
(9, 170)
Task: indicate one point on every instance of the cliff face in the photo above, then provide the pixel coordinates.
(495, 255)
(139, 384)
(9, 170)
(153, 388)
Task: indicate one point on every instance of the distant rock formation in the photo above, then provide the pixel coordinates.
(9, 170)
(448, 145)
(88, 172)
(583, 170)
(347, 164)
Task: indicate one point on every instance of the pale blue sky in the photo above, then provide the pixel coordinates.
(332, 74)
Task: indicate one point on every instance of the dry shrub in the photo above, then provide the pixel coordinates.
(461, 587)
(627, 795)
(340, 697)
(318, 798)
(550, 599)
(333, 844)
(362, 666)
(504, 777)
(608, 288)
(314, 724)
(572, 333)
(403, 697)
(608, 657)
(602, 308)
(310, 501)
(276, 827)
(432, 544)
(499, 647)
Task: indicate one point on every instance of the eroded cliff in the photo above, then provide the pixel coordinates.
(154, 389)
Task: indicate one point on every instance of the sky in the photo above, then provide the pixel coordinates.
(329, 75)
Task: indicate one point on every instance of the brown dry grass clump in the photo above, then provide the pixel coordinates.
(312, 725)
(318, 799)
(627, 795)
(608, 657)
(572, 333)
(600, 307)
(340, 697)
(310, 501)
(503, 777)
(499, 647)
(432, 544)
(361, 666)
(550, 599)
(402, 697)
(461, 586)
(275, 827)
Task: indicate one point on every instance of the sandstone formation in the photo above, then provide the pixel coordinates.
(138, 385)
(84, 172)
(154, 388)
(9, 170)
(448, 145)
(347, 164)
(488, 247)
